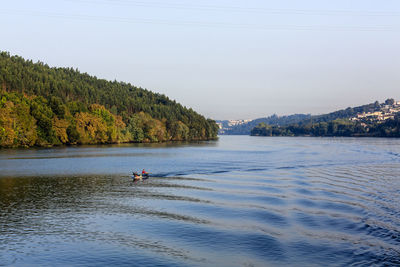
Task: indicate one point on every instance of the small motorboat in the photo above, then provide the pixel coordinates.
(137, 177)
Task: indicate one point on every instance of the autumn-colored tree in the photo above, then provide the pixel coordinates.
(7, 134)
(179, 131)
(90, 128)
(60, 127)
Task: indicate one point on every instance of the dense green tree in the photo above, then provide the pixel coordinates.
(43, 114)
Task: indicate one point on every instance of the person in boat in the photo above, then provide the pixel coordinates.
(144, 173)
(136, 176)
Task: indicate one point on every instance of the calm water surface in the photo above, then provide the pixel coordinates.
(241, 201)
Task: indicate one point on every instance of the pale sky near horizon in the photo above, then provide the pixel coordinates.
(225, 59)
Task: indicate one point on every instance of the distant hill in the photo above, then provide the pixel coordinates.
(246, 127)
(44, 106)
(375, 120)
(343, 113)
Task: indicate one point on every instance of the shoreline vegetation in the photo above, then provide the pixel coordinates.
(43, 107)
(337, 128)
(371, 120)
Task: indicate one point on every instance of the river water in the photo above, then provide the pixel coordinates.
(239, 201)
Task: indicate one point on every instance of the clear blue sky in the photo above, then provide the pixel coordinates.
(225, 59)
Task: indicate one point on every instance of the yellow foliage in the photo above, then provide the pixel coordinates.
(157, 131)
(91, 128)
(120, 134)
(7, 134)
(154, 130)
(17, 127)
(94, 107)
(60, 127)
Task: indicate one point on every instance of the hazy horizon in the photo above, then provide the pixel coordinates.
(224, 59)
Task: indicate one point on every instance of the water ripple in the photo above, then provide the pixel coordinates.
(242, 202)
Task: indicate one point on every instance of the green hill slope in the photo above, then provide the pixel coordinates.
(245, 128)
(371, 120)
(46, 106)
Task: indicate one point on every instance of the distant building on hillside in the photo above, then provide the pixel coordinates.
(386, 112)
(226, 125)
(237, 122)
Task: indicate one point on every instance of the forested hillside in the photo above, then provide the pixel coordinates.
(374, 120)
(342, 114)
(46, 106)
(245, 128)
(338, 127)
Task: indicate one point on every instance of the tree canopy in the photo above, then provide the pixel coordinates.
(43, 106)
(337, 127)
